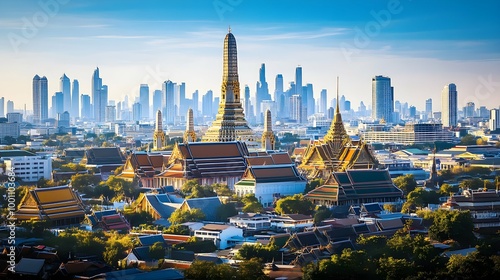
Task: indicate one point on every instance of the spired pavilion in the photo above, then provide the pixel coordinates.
(336, 152)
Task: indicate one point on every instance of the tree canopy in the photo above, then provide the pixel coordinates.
(406, 183)
(295, 204)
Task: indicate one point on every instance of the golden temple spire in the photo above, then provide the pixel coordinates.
(337, 133)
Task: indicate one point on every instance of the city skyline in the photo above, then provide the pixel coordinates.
(148, 47)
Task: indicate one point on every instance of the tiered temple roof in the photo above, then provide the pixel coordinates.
(60, 205)
(356, 187)
(103, 156)
(207, 159)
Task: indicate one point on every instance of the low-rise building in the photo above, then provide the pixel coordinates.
(251, 221)
(27, 166)
(221, 235)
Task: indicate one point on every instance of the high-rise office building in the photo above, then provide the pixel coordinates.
(310, 100)
(382, 98)
(298, 80)
(206, 104)
(58, 103)
(323, 100)
(296, 108)
(136, 112)
(449, 110)
(40, 99)
(494, 122)
(65, 88)
(75, 99)
(168, 102)
(247, 103)
(99, 97)
(428, 108)
(230, 123)
(110, 113)
(195, 104)
(262, 93)
(86, 112)
(2, 107)
(10, 106)
(278, 92)
(63, 119)
(157, 100)
(144, 97)
(183, 105)
(469, 110)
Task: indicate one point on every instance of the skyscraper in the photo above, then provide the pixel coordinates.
(169, 101)
(296, 108)
(157, 101)
(310, 100)
(96, 86)
(470, 109)
(136, 112)
(58, 105)
(195, 104)
(40, 99)
(2, 107)
(323, 101)
(86, 107)
(278, 92)
(262, 92)
(75, 99)
(449, 109)
(10, 106)
(298, 80)
(206, 104)
(183, 106)
(382, 98)
(247, 102)
(428, 107)
(65, 88)
(144, 97)
(494, 122)
(230, 123)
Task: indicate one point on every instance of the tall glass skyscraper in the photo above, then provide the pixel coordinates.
(449, 102)
(382, 99)
(65, 88)
(75, 99)
(144, 97)
(40, 99)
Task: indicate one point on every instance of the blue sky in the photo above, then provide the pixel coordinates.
(421, 45)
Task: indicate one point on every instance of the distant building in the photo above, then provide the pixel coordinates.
(449, 109)
(494, 122)
(382, 99)
(40, 99)
(63, 119)
(144, 98)
(86, 112)
(110, 113)
(65, 88)
(75, 99)
(14, 117)
(410, 134)
(9, 129)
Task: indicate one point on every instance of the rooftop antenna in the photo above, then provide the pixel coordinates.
(229, 28)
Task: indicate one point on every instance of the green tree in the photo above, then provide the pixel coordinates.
(472, 184)
(322, 213)
(406, 183)
(84, 183)
(177, 229)
(222, 190)
(253, 207)
(203, 270)
(390, 207)
(264, 252)
(137, 218)
(311, 185)
(447, 189)
(157, 251)
(180, 216)
(251, 270)
(472, 266)
(188, 186)
(456, 225)
(468, 140)
(295, 204)
(394, 269)
(225, 211)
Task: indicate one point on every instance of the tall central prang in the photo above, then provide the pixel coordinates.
(230, 123)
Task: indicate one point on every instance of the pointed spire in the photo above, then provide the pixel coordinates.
(337, 109)
(189, 134)
(229, 29)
